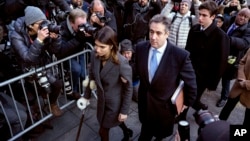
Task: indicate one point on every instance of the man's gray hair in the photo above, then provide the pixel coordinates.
(158, 18)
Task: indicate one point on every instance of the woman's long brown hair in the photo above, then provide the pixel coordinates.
(106, 35)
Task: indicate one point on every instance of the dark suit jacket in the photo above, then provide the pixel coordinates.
(154, 104)
(209, 51)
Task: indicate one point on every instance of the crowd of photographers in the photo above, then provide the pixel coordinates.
(38, 29)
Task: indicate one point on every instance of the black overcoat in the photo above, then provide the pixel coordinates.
(209, 50)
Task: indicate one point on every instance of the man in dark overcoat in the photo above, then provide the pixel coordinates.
(156, 112)
(209, 48)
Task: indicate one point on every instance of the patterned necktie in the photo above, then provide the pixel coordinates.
(153, 63)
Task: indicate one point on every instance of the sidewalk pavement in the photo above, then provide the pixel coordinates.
(65, 128)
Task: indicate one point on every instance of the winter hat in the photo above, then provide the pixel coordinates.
(126, 45)
(33, 14)
(188, 2)
(220, 16)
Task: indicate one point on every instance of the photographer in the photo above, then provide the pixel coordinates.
(33, 46)
(99, 16)
(73, 41)
(136, 18)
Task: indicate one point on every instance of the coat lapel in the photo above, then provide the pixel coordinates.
(97, 65)
(145, 62)
(163, 63)
(106, 68)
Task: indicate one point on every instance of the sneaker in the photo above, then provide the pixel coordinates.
(221, 103)
(56, 111)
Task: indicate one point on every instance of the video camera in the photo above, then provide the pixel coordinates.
(51, 27)
(87, 28)
(203, 118)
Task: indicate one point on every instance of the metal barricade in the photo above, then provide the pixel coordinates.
(43, 111)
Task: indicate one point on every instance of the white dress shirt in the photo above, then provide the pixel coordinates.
(159, 55)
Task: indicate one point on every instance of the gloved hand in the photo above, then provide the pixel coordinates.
(82, 103)
(85, 82)
(92, 85)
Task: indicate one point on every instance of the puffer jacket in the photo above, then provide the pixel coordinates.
(30, 53)
(180, 24)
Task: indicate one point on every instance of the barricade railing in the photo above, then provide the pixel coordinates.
(43, 111)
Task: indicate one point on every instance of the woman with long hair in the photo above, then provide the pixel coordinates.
(113, 78)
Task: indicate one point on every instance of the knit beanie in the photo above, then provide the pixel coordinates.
(33, 14)
(188, 2)
(126, 45)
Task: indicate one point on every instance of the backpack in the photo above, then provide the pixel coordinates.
(189, 19)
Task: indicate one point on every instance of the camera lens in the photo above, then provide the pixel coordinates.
(184, 130)
(54, 28)
(44, 24)
(87, 28)
(44, 82)
(51, 27)
(101, 17)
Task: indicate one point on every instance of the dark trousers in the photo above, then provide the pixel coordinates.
(228, 108)
(225, 82)
(146, 134)
(201, 86)
(56, 90)
(104, 133)
(200, 90)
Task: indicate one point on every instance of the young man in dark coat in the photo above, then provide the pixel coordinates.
(156, 112)
(209, 48)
